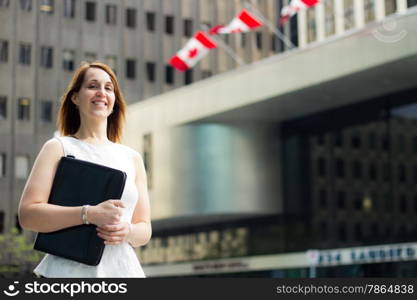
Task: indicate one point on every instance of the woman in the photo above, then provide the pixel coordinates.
(90, 122)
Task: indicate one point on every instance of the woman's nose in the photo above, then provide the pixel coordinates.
(101, 91)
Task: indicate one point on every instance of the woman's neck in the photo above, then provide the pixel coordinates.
(92, 132)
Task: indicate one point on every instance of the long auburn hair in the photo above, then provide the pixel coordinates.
(68, 121)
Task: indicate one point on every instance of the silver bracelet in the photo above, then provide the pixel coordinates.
(84, 214)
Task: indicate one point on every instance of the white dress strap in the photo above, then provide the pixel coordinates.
(66, 146)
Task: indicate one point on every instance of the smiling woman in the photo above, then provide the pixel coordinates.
(90, 121)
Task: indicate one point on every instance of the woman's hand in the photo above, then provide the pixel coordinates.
(114, 234)
(107, 212)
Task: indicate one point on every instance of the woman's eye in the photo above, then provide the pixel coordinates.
(109, 88)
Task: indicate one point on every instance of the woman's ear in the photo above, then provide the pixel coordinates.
(74, 99)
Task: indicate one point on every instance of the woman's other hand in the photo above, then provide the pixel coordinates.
(107, 212)
(114, 234)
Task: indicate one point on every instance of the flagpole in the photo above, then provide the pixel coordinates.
(271, 27)
(229, 50)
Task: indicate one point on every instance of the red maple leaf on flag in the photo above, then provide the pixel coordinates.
(192, 52)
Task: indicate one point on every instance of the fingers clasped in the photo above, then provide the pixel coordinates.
(114, 234)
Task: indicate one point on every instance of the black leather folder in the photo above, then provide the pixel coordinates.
(76, 183)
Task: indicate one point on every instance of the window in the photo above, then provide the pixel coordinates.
(47, 6)
(321, 167)
(69, 8)
(311, 24)
(169, 75)
(23, 109)
(341, 199)
(188, 77)
(90, 11)
(356, 140)
(259, 40)
(169, 24)
(323, 231)
(401, 173)
(147, 157)
(90, 57)
(206, 74)
(321, 139)
(411, 3)
(358, 201)
(2, 164)
(372, 171)
(372, 140)
(4, 3)
(274, 43)
(349, 14)
(24, 54)
(338, 138)
(390, 7)
(46, 57)
(340, 168)
(130, 17)
(21, 166)
(415, 204)
(150, 71)
(323, 198)
(68, 60)
(329, 21)
(188, 27)
(3, 107)
(342, 231)
(111, 61)
(403, 203)
(1, 221)
(26, 5)
(358, 232)
(150, 21)
(46, 111)
(131, 68)
(111, 14)
(357, 169)
(4, 51)
(401, 143)
(369, 10)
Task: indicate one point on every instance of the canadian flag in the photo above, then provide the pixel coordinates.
(195, 49)
(294, 7)
(243, 22)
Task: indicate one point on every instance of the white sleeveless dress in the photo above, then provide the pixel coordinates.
(117, 260)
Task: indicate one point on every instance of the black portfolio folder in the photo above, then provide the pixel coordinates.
(76, 183)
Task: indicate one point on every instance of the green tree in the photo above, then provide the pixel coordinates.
(17, 256)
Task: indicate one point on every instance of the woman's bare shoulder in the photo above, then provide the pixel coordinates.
(52, 147)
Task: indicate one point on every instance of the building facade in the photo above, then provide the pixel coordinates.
(309, 151)
(43, 41)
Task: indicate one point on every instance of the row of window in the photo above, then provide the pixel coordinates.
(68, 62)
(402, 142)
(21, 165)
(110, 13)
(23, 109)
(368, 202)
(369, 7)
(357, 231)
(358, 170)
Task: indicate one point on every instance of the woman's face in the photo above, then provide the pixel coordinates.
(96, 96)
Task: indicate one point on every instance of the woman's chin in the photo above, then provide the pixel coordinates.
(100, 114)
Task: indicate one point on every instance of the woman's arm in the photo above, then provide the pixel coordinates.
(34, 211)
(140, 230)
(37, 215)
